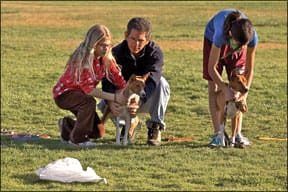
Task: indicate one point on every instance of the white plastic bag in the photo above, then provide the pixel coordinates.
(68, 170)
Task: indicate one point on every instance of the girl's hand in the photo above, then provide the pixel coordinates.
(229, 95)
(243, 97)
(242, 103)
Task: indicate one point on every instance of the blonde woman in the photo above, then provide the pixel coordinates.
(76, 88)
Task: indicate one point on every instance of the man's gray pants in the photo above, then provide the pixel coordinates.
(156, 105)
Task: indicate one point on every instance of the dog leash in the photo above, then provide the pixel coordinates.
(230, 53)
(172, 138)
(272, 139)
(227, 139)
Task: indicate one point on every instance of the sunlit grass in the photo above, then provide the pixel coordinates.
(36, 40)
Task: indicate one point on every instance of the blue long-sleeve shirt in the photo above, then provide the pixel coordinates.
(214, 30)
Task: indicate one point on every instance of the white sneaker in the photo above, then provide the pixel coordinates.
(84, 144)
(242, 140)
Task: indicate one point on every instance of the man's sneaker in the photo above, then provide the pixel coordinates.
(216, 141)
(135, 126)
(86, 144)
(60, 126)
(154, 134)
(242, 140)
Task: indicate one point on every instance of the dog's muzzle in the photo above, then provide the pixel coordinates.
(142, 93)
(245, 90)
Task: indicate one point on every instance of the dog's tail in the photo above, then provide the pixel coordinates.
(106, 114)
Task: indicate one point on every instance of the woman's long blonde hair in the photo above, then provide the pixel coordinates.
(84, 54)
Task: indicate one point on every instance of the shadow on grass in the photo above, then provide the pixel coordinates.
(55, 144)
(102, 144)
(187, 144)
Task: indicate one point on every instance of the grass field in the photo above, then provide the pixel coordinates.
(36, 40)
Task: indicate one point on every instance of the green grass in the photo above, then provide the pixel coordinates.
(36, 40)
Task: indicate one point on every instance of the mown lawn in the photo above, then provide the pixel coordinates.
(36, 40)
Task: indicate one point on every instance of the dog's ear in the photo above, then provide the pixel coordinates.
(146, 76)
(132, 77)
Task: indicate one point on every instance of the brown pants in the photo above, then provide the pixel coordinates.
(88, 125)
(236, 60)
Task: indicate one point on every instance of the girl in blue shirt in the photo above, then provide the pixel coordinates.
(229, 40)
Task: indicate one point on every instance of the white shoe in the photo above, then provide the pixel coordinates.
(242, 140)
(84, 144)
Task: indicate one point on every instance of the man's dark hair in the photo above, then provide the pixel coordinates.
(140, 24)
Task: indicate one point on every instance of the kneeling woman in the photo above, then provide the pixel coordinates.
(76, 88)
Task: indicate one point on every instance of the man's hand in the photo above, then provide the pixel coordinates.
(134, 105)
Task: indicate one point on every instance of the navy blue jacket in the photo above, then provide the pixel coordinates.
(150, 60)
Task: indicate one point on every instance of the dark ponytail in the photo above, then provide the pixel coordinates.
(231, 17)
(241, 29)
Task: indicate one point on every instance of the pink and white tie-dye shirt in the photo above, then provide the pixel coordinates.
(87, 82)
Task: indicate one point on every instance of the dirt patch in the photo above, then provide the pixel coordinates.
(198, 45)
(173, 44)
(272, 45)
(34, 14)
(44, 15)
(181, 44)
